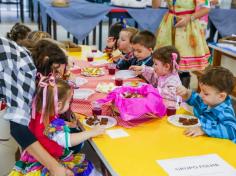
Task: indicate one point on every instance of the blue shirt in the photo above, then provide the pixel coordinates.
(218, 121)
(125, 64)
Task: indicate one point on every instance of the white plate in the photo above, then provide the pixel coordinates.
(99, 62)
(111, 122)
(130, 84)
(126, 74)
(83, 94)
(105, 87)
(89, 75)
(80, 81)
(174, 119)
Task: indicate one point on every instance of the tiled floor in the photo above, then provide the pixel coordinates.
(8, 149)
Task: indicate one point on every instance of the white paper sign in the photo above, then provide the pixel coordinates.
(117, 133)
(204, 165)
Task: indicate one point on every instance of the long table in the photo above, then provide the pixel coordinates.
(151, 141)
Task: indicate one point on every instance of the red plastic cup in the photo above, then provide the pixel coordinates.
(111, 69)
(171, 110)
(90, 58)
(96, 108)
(118, 81)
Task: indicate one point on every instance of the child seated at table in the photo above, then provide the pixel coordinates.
(113, 37)
(53, 97)
(213, 105)
(164, 73)
(124, 44)
(143, 44)
(18, 32)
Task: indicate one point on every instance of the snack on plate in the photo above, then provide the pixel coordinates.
(188, 121)
(92, 71)
(132, 95)
(95, 121)
(105, 87)
(134, 83)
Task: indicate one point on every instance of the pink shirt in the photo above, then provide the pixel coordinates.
(166, 84)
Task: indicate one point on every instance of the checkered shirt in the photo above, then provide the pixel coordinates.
(218, 121)
(17, 81)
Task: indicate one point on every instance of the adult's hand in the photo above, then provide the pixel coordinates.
(182, 21)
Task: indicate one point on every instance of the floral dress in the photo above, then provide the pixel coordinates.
(29, 166)
(190, 40)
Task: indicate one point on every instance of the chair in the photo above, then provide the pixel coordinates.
(17, 3)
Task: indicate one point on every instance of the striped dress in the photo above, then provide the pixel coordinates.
(190, 40)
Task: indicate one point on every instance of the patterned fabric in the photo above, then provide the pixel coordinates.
(125, 64)
(31, 167)
(17, 80)
(189, 40)
(166, 84)
(218, 121)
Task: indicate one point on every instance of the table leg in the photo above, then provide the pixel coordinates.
(100, 36)
(217, 58)
(54, 26)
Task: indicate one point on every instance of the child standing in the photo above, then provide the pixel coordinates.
(124, 43)
(213, 105)
(142, 43)
(163, 74)
(52, 132)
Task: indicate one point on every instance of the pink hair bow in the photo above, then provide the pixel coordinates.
(174, 59)
(44, 83)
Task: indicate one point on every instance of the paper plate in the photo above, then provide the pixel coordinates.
(105, 87)
(134, 83)
(111, 122)
(80, 81)
(89, 72)
(174, 119)
(99, 62)
(83, 94)
(126, 74)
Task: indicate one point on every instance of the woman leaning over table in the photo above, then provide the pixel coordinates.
(17, 78)
(180, 27)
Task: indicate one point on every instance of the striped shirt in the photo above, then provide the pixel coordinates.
(218, 121)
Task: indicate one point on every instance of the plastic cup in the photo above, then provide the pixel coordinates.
(171, 110)
(118, 81)
(93, 48)
(111, 69)
(90, 58)
(96, 108)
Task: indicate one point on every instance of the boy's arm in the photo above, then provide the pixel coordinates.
(123, 64)
(225, 128)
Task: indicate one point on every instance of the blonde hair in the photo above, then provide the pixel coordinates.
(131, 32)
(38, 35)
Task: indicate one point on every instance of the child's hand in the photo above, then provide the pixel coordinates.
(111, 42)
(183, 92)
(137, 69)
(97, 130)
(195, 131)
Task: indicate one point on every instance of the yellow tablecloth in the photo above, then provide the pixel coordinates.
(136, 154)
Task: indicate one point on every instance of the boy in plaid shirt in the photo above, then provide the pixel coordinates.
(213, 105)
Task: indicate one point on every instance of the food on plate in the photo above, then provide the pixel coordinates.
(188, 121)
(134, 83)
(105, 87)
(132, 95)
(92, 71)
(94, 120)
